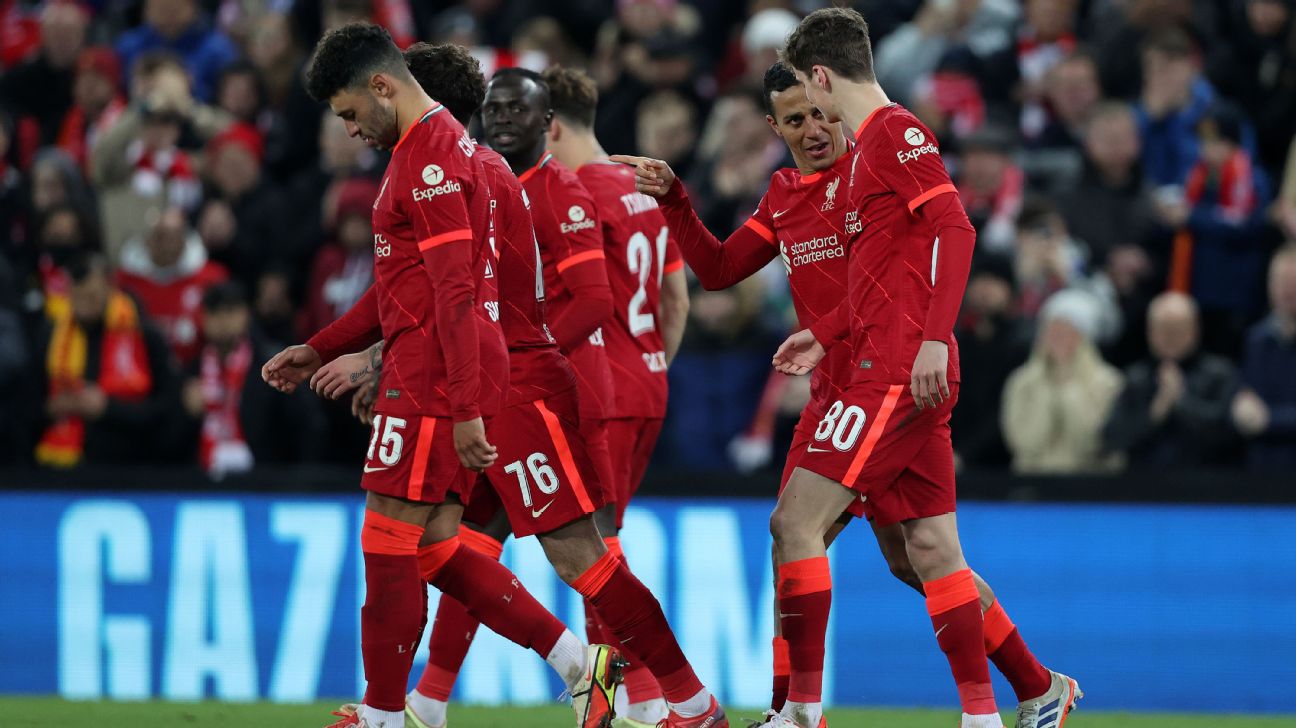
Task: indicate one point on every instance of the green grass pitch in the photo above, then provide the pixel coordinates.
(55, 713)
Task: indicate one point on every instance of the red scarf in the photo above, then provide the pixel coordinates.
(123, 370)
(78, 135)
(169, 170)
(1235, 199)
(222, 380)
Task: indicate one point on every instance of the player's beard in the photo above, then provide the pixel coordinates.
(386, 127)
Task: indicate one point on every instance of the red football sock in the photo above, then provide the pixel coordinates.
(491, 593)
(395, 608)
(632, 613)
(639, 683)
(1006, 648)
(805, 598)
(782, 672)
(454, 629)
(955, 609)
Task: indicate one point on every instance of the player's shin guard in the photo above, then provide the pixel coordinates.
(491, 593)
(955, 609)
(1008, 651)
(782, 673)
(804, 599)
(634, 616)
(454, 629)
(395, 608)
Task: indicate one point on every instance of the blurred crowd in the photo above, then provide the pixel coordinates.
(173, 207)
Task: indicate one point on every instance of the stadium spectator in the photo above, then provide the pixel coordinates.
(107, 374)
(991, 187)
(97, 103)
(949, 101)
(1054, 85)
(666, 128)
(1118, 31)
(763, 36)
(312, 192)
(1047, 258)
(272, 305)
(1068, 93)
(61, 234)
(242, 221)
(241, 94)
(1110, 205)
(175, 26)
(39, 92)
(167, 271)
(1284, 210)
(1174, 409)
(1264, 411)
(1220, 252)
(993, 341)
(1175, 97)
(915, 49)
(1054, 406)
(240, 421)
(1257, 67)
(343, 269)
(736, 156)
(56, 180)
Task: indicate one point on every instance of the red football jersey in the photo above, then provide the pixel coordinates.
(537, 369)
(639, 252)
(432, 251)
(896, 168)
(175, 304)
(801, 219)
(567, 228)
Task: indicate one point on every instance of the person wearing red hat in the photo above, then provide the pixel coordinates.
(97, 103)
(242, 220)
(343, 268)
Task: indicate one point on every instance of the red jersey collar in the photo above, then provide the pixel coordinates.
(434, 108)
(538, 165)
(872, 115)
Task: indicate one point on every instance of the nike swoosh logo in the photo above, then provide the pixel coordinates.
(942, 629)
(368, 469)
(778, 214)
(537, 514)
(812, 448)
(784, 616)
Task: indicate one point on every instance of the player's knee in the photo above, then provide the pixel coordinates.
(926, 551)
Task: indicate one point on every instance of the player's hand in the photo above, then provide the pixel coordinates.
(653, 177)
(800, 353)
(929, 381)
(470, 442)
(291, 367)
(342, 375)
(362, 403)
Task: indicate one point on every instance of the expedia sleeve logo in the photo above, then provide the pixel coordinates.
(579, 220)
(434, 177)
(906, 157)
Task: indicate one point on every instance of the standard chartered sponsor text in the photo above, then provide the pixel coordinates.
(816, 250)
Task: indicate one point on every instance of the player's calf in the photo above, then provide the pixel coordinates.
(891, 542)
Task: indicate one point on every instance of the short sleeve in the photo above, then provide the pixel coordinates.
(906, 158)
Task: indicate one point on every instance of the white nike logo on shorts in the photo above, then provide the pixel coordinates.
(812, 448)
(537, 514)
(368, 469)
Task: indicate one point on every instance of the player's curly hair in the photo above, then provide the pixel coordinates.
(348, 56)
(449, 74)
(778, 77)
(837, 38)
(573, 95)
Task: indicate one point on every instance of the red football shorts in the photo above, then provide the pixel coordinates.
(414, 458)
(631, 441)
(544, 477)
(875, 440)
(802, 436)
(595, 433)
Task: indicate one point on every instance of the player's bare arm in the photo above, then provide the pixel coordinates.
(653, 177)
(799, 354)
(291, 367)
(347, 372)
(674, 307)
